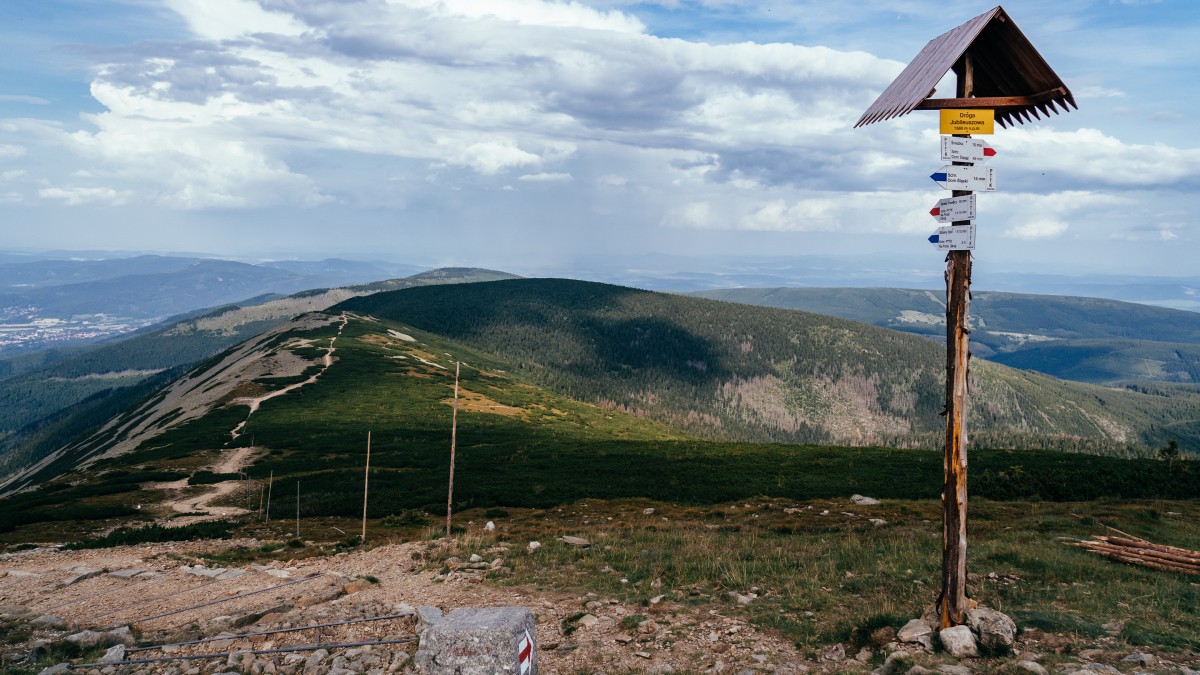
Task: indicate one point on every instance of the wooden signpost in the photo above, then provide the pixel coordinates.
(1001, 79)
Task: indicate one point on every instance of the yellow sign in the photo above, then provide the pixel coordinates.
(968, 121)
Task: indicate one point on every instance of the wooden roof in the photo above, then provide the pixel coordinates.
(1010, 76)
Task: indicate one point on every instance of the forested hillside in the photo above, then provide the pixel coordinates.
(1083, 339)
(732, 371)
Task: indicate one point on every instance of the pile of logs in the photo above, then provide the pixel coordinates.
(1135, 551)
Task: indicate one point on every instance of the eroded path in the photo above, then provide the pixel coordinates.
(254, 403)
(199, 505)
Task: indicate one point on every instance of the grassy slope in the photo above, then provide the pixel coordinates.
(732, 371)
(47, 405)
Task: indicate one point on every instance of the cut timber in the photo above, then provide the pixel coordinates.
(1144, 553)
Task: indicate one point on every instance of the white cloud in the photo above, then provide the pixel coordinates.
(13, 174)
(11, 151)
(77, 196)
(1094, 156)
(546, 178)
(11, 198)
(1033, 216)
(20, 98)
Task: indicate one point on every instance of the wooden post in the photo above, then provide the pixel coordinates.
(952, 604)
(270, 482)
(366, 477)
(453, 438)
(297, 509)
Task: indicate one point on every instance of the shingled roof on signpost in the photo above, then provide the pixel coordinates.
(1010, 76)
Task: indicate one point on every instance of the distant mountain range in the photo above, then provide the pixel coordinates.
(1084, 339)
(70, 301)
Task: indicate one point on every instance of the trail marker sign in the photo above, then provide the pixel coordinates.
(524, 654)
(954, 238)
(951, 209)
(957, 121)
(957, 149)
(977, 178)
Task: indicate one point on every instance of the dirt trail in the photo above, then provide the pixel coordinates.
(232, 462)
(254, 403)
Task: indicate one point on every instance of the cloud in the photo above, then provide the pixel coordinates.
(19, 98)
(1033, 216)
(11, 151)
(77, 196)
(546, 178)
(1095, 157)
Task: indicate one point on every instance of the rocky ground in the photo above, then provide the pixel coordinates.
(166, 593)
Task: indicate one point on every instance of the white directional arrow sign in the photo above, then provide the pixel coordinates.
(977, 178)
(956, 149)
(954, 238)
(951, 209)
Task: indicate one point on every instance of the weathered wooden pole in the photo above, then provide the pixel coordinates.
(270, 482)
(297, 509)
(366, 479)
(952, 605)
(453, 438)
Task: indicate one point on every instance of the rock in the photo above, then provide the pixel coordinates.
(489, 527)
(125, 574)
(644, 655)
(588, 621)
(657, 599)
(478, 641)
(1030, 667)
(863, 501)
(1114, 627)
(81, 573)
(115, 653)
(959, 642)
(953, 669)
(533, 546)
(357, 586)
(917, 631)
(896, 662)
(230, 574)
(920, 670)
(577, 542)
(475, 557)
(648, 511)
(50, 621)
(427, 616)
(878, 522)
(833, 653)
(56, 669)
(91, 638)
(314, 660)
(1141, 659)
(995, 630)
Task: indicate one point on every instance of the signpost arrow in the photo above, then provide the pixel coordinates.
(955, 149)
(951, 209)
(954, 238)
(977, 178)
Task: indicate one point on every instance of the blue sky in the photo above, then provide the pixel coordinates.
(520, 134)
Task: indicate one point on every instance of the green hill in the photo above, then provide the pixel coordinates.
(81, 386)
(738, 372)
(1084, 339)
(302, 397)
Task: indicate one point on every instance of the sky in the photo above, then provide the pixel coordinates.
(519, 134)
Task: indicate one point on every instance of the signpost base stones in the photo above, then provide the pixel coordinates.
(479, 641)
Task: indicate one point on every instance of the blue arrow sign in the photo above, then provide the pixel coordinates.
(938, 177)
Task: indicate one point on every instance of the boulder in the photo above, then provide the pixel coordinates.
(959, 642)
(114, 654)
(1141, 659)
(917, 631)
(996, 632)
(577, 542)
(479, 641)
(863, 501)
(1025, 666)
